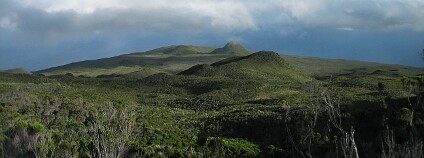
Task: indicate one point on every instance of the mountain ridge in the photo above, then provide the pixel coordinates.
(176, 58)
(169, 59)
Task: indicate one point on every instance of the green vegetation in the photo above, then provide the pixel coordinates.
(325, 67)
(172, 59)
(17, 71)
(258, 105)
(232, 48)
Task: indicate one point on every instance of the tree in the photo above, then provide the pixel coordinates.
(111, 130)
(28, 139)
(305, 134)
(413, 88)
(381, 87)
(347, 142)
(413, 148)
(302, 134)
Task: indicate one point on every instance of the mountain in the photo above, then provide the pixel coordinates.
(171, 59)
(263, 65)
(324, 67)
(178, 50)
(174, 59)
(232, 48)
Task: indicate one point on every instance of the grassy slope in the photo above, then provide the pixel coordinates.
(170, 59)
(232, 48)
(225, 84)
(323, 67)
(173, 59)
(17, 71)
(258, 66)
(271, 76)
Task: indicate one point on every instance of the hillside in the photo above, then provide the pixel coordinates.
(260, 66)
(17, 71)
(324, 67)
(184, 101)
(174, 59)
(232, 48)
(171, 59)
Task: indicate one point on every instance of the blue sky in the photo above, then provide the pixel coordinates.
(37, 34)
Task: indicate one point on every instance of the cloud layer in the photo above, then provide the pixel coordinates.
(54, 16)
(158, 15)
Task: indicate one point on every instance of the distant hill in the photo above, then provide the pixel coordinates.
(171, 59)
(174, 59)
(324, 67)
(232, 48)
(264, 65)
(178, 50)
(17, 71)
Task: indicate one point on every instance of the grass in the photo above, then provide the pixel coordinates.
(174, 59)
(324, 67)
(181, 113)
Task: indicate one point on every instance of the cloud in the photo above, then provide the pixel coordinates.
(79, 16)
(370, 15)
(374, 15)
(68, 16)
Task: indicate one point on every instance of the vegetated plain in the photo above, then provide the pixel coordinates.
(191, 101)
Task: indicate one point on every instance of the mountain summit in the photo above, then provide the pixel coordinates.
(232, 47)
(233, 44)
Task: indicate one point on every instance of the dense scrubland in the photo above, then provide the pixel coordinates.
(233, 105)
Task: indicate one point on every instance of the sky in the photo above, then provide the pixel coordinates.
(38, 34)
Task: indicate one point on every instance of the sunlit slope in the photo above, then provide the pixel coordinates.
(324, 67)
(232, 48)
(171, 59)
(263, 66)
(174, 59)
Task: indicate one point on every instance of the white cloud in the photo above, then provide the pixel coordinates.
(346, 29)
(212, 15)
(158, 15)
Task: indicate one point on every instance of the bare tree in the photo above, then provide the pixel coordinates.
(348, 145)
(347, 141)
(43, 145)
(411, 149)
(22, 142)
(111, 130)
(412, 88)
(18, 143)
(304, 137)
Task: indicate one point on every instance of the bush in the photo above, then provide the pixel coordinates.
(229, 147)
